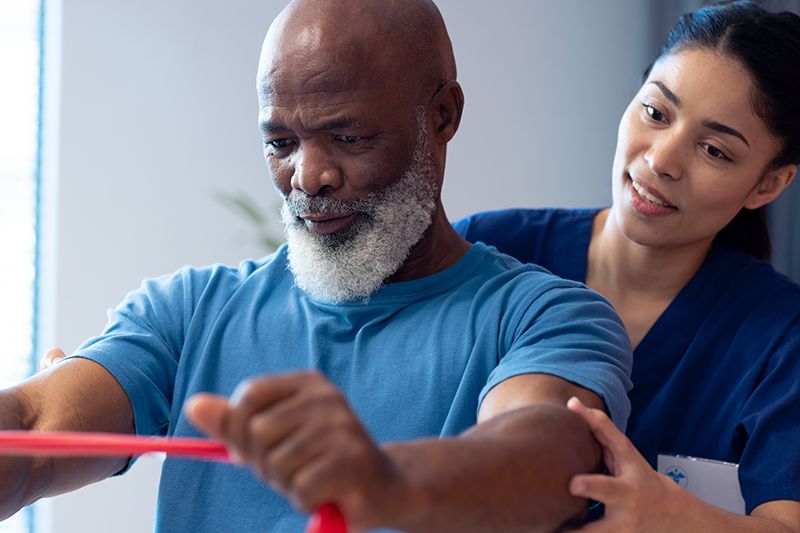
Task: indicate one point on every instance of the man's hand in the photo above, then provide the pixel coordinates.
(509, 472)
(299, 434)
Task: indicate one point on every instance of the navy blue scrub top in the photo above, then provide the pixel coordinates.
(718, 374)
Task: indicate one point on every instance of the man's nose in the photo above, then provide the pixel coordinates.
(315, 169)
(667, 155)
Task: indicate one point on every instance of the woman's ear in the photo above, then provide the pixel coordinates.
(447, 104)
(770, 186)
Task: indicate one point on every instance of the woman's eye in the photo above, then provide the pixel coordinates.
(715, 152)
(654, 113)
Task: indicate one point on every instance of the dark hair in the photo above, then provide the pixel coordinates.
(767, 45)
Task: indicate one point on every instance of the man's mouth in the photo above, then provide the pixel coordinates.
(327, 223)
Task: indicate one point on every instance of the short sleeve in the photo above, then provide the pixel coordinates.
(141, 347)
(769, 468)
(569, 331)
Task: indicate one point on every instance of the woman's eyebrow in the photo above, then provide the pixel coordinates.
(667, 93)
(722, 128)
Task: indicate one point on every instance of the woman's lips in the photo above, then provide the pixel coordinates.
(649, 195)
(324, 224)
(647, 201)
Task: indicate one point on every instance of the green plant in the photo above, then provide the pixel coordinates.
(243, 205)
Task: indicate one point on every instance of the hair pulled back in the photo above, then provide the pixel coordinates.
(767, 45)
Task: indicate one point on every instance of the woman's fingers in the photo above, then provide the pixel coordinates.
(617, 448)
(635, 496)
(50, 358)
(607, 489)
(603, 428)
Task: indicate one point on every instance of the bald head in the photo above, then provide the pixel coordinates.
(357, 102)
(336, 45)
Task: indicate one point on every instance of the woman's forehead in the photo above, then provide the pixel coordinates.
(707, 83)
(704, 70)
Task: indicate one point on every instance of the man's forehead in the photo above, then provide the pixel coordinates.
(327, 86)
(310, 63)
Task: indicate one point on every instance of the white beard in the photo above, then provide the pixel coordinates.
(353, 263)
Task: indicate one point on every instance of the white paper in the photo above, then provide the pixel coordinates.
(714, 482)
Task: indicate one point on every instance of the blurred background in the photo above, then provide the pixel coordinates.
(129, 148)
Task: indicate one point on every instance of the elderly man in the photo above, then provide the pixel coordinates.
(378, 361)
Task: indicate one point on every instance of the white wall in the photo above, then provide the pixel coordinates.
(545, 84)
(158, 110)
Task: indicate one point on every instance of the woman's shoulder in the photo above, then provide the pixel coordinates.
(756, 275)
(554, 238)
(529, 219)
(752, 290)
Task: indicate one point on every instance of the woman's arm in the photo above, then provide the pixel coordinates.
(639, 499)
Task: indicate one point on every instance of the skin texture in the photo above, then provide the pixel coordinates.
(641, 256)
(339, 113)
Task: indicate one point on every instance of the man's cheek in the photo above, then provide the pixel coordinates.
(281, 174)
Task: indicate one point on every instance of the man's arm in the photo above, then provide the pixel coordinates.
(508, 473)
(75, 395)
(511, 471)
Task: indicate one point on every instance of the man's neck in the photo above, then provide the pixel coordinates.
(440, 248)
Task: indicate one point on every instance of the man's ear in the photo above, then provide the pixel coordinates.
(447, 105)
(771, 185)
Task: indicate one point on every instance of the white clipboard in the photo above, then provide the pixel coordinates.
(714, 482)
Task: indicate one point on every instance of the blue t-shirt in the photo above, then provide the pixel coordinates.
(415, 361)
(718, 374)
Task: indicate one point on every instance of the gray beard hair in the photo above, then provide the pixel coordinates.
(353, 263)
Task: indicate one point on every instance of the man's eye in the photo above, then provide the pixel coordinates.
(654, 113)
(350, 139)
(279, 143)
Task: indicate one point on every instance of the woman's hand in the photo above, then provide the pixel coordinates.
(50, 358)
(636, 497)
(639, 499)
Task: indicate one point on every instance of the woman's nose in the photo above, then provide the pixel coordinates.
(666, 155)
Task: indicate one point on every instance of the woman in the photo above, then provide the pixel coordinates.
(712, 136)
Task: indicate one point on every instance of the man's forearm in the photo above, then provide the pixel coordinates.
(510, 473)
(18, 475)
(77, 395)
